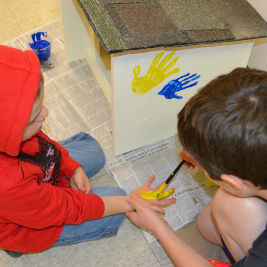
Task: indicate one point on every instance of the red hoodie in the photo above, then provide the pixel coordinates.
(35, 199)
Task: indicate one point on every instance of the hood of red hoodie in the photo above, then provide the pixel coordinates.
(19, 82)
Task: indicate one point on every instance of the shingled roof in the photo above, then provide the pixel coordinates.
(123, 25)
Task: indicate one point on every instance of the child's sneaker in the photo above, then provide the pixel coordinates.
(13, 253)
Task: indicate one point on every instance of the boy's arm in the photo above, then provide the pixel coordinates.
(179, 251)
(115, 204)
(120, 204)
(39, 205)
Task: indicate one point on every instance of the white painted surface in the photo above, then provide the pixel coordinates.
(140, 120)
(77, 40)
(143, 119)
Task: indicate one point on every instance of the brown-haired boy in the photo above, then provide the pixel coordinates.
(223, 130)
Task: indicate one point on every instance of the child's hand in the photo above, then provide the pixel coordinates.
(80, 181)
(147, 187)
(146, 216)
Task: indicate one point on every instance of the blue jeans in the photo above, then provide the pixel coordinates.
(86, 150)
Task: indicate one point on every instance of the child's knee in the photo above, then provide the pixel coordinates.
(91, 155)
(204, 216)
(97, 150)
(99, 159)
(119, 191)
(206, 226)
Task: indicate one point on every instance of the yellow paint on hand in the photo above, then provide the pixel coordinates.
(159, 194)
(147, 194)
(211, 182)
(157, 72)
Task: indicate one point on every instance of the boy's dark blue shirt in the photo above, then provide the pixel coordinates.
(257, 254)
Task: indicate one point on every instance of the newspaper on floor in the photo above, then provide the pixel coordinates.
(72, 95)
(192, 188)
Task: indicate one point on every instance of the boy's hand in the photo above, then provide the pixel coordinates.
(136, 194)
(80, 181)
(146, 216)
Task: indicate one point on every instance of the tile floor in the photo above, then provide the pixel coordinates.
(128, 248)
(20, 16)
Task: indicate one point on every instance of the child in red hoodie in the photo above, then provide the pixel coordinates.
(46, 198)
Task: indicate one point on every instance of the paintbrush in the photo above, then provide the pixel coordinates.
(158, 193)
(169, 179)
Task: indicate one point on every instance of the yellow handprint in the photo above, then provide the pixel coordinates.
(156, 73)
(159, 194)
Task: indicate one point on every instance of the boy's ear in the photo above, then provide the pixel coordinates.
(235, 183)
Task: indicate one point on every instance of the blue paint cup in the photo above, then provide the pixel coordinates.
(41, 48)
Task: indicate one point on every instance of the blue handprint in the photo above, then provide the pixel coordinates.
(181, 83)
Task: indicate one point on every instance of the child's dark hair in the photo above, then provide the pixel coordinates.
(224, 126)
